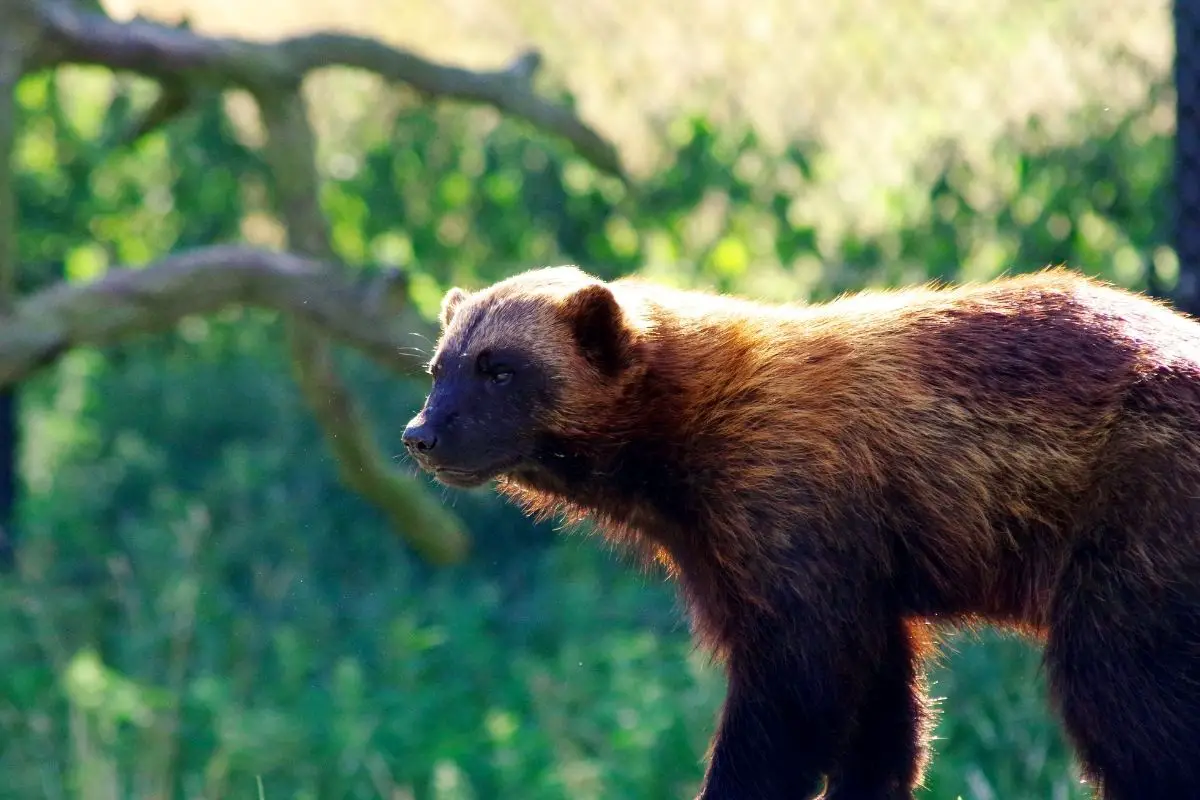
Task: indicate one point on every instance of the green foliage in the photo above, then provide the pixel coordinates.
(203, 607)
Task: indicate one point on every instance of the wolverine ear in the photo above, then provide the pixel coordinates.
(598, 323)
(450, 302)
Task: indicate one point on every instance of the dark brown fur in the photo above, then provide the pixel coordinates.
(826, 481)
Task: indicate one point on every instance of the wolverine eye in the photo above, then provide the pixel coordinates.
(496, 372)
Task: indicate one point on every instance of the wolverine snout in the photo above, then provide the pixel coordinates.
(420, 437)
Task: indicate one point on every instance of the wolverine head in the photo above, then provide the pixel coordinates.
(517, 364)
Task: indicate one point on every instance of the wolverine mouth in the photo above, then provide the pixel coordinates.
(462, 478)
(472, 478)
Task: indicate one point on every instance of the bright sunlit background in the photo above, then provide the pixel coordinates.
(203, 610)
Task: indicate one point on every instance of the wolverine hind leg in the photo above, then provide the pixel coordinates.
(1123, 659)
(1123, 647)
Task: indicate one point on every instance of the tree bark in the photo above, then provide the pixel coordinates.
(125, 303)
(1187, 154)
(17, 39)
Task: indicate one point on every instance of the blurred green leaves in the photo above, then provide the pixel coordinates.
(91, 686)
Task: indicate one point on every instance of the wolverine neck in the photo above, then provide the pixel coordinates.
(658, 449)
(639, 463)
(617, 471)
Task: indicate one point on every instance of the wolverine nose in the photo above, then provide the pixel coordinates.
(419, 438)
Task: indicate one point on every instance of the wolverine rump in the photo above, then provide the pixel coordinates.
(825, 481)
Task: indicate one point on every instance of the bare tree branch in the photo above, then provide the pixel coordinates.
(128, 302)
(72, 35)
(290, 151)
(317, 301)
(427, 525)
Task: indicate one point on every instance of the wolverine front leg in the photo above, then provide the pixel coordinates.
(766, 746)
(789, 710)
(885, 755)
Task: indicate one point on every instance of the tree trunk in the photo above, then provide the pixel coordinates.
(9, 485)
(1187, 154)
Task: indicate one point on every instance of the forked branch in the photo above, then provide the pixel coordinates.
(124, 303)
(72, 35)
(317, 300)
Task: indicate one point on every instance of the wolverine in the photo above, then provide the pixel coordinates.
(830, 484)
